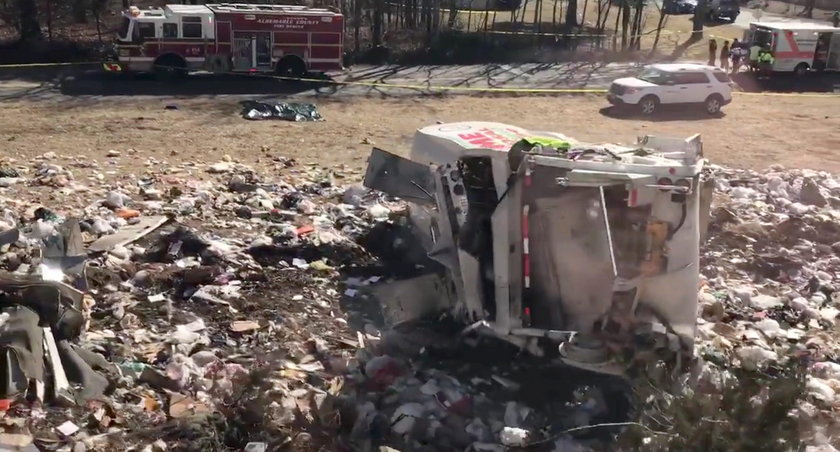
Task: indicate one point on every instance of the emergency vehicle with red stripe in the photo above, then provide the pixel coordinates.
(230, 37)
(797, 47)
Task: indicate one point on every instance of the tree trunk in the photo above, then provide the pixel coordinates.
(571, 15)
(48, 4)
(636, 32)
(625, 22)
(603, 25)
(30, 29)
(616, 29)
(515, 15)
(80, 11)
(659, 26)
(699, 19)
(453, 14)
(583, 14)
(357, 23)
(98, 26)
(377, 23)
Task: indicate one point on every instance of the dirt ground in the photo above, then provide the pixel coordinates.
(755, 132)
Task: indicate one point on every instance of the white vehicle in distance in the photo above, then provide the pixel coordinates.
(673, 84)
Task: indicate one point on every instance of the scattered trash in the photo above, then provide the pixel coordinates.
(252, 109)
(236, 304)
(514, 437)
(67, 429)
(242, 326)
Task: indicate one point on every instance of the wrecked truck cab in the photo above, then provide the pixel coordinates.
(548, 240)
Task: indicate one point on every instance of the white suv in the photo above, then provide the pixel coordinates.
(673, 84)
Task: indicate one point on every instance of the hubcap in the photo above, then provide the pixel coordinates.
(648, 107)
(713, 106)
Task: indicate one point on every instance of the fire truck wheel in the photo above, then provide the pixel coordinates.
(801, 69)
(170, 67)
(291, 66)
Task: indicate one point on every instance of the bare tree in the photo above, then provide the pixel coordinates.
(659, 25)
(583, 15)
(80, 8)
(97, 7)
(571, 14)
(636, 29)
(699, 19)
(625, 22)
(48, 4)
(29, 28)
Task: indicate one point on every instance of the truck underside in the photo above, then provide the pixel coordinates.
(557, 246)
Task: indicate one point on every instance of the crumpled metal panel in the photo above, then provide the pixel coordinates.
(400, 177)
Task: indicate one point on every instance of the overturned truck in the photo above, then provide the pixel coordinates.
(587, 251)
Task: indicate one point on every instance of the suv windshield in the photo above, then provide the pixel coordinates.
(655, 76)
(123, 31)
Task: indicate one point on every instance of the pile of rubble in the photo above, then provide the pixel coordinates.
(208, 307)
(770, 295)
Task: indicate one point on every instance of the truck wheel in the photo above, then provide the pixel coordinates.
(801, 69)
(648, 105)
(713, 104)
(170, 67)
(291, 66)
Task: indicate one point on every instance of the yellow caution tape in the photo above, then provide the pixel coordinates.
(48, 64)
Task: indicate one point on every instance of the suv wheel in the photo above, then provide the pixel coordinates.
(801, 69)
(648, 105)
(713, 104)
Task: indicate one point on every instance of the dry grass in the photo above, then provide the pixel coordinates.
(754, 133)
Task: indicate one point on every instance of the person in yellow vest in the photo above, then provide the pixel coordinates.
(765, 62)
(755, 50)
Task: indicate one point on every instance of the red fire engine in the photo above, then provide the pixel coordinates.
(283, 39)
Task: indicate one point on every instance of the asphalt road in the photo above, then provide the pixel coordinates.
(415, 80)
(361, 81)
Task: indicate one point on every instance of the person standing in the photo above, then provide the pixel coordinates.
(755, 50)
(735, 55)
(724, 56)
(835, 18)
(765, 62)
(712, 51)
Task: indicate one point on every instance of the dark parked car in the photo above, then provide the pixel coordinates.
(723, 10)
(679, 6)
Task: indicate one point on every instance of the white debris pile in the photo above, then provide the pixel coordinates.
(195, 292)
(220, 309)
(770, 297)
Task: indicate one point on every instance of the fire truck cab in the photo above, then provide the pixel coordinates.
(797, 47)
(284, 39)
